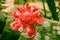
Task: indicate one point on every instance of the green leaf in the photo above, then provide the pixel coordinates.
(44, 8)
(18, 2)
(2, 7)
(52, 8)
(8, 33)
(3, 18)
(2, 1)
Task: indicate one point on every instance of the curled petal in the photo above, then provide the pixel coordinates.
(40, 20)
(33, 9)
(27, 7)
(22, 27)
(21, 9)
(15, 28)
(37, 12)
(18, 13)
(33, 21)
(15, 15)
(31, 31)
(13, 24)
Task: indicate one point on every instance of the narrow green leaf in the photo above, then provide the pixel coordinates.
(52, 8)
(44, 8)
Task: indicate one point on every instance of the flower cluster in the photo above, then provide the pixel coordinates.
(26, 17)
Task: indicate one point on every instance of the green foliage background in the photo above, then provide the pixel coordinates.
(6, 32)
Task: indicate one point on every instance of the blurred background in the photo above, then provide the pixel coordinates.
(50, 10)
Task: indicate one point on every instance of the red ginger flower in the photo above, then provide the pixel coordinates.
(25, 18)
